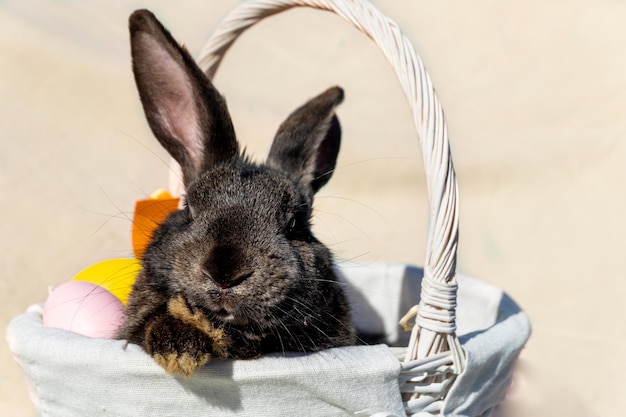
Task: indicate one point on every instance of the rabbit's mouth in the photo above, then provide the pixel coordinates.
(222, 305)
(225, 315)
(224, 308)
(225, 305)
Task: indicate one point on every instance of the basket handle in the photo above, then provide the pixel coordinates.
(435, 319)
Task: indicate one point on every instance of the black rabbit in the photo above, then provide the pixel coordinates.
(237, 272)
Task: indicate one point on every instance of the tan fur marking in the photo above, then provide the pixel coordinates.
(219, 344)
(183, 364)
(178, 308)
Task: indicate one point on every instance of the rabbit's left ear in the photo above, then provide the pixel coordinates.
(184, 110)
(307, 143)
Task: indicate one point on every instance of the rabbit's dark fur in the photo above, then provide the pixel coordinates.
(237, 272)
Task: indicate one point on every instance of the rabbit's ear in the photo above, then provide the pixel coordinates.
(307, 143)
(184, 110)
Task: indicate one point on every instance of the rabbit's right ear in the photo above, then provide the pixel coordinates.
(307, 143)
(184, 110)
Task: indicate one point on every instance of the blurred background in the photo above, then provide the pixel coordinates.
(535, 98)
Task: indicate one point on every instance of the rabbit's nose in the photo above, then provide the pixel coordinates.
(223, 265)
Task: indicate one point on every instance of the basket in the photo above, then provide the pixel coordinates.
(430, 371)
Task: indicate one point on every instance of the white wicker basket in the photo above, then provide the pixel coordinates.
(438, 373)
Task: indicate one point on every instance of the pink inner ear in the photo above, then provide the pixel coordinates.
(176, 107)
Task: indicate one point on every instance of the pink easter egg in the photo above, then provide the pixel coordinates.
(84, 308)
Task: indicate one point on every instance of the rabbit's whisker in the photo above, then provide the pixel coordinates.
(150, 150)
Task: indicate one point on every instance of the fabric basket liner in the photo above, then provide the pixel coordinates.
(69, 373)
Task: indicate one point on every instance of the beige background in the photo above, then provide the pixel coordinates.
(535, 97)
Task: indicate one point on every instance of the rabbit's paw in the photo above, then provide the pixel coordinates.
(179, 309)
(183, 340)
(178, 348)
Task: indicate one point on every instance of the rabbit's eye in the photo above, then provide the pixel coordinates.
(291, 224)
(297, 226)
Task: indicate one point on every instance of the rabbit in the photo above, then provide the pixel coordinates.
(236, 272)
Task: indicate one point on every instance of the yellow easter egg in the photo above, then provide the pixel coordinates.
(115, 275)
